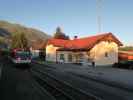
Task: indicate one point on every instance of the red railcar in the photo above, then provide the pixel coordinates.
(125, 55)
(20, 56)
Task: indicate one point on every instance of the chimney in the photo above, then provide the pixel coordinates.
(75, 37)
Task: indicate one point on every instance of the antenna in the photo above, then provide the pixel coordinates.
(99, 16)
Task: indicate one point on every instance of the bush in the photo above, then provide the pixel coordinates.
(5, 52)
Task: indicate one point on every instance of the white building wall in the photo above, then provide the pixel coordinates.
(66, 53)
(35, 53)
(51, 53)
(99, 50)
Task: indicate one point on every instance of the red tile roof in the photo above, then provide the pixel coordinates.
(83, 43)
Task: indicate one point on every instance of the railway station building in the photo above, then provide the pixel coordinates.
(100, 49)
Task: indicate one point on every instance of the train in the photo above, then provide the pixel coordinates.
(20, 56)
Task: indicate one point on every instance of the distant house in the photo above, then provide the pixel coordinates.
(38, 49)
(101, 49)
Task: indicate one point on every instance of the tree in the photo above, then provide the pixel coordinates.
(2, 40)
(60, 35)
(126, 48)
(19, 40)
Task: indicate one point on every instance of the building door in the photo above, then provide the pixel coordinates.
(69, 57)
(62, 58)
(79, 58)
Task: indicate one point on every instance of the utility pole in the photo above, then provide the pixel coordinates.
(99, 16)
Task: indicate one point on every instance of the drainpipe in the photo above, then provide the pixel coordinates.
(56, 56)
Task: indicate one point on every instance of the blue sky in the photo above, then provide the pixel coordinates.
(75, 17)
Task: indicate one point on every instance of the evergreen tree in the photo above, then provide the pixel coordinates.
(60, 35)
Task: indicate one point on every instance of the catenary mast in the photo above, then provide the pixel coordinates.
(99, 16)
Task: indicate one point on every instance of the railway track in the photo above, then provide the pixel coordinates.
(98, 89)
(60, 89)
(54, 91)
(46, 95)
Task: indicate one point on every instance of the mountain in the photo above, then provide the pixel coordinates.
(34, 36)
(4, 33)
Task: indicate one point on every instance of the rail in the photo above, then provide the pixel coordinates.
(63, 89)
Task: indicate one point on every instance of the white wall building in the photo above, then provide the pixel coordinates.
(98, 50)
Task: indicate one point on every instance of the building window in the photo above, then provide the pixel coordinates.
(62, 57)
(106, 54)
(69, 57)
(80, 57)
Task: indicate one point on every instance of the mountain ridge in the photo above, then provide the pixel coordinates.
(33, 35)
